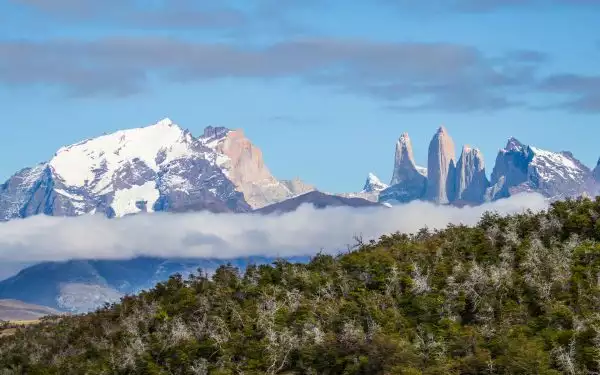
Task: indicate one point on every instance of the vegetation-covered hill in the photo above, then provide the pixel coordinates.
(512, 295)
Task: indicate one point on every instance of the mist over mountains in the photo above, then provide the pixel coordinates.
(115, 214)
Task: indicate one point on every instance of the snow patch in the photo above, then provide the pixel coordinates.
(125, 201)
(69, 195)
(81, 164)
(549, 164)
(421, 170)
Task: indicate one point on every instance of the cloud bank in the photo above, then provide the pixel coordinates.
(411, 75)
(225, 236)
(407, 76)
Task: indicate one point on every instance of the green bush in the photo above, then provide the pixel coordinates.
(511, 295)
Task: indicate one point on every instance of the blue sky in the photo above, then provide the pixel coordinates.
(323, 87)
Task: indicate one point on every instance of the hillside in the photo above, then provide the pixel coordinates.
(84, 285)
(511, 295)
(17, 310)
(317, 200)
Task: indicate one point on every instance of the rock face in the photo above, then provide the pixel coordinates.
(298, 187)
(161, 167)
(408, 180)
(441, 168)
(597, 172)
(243, 164)
(521, 168)
(471, 180)
(405, 168)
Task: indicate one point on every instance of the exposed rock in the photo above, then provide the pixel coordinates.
(441, 167)
(510, 170)
(243, 164)
(405, 168)
(408, 180)
(521, 168)
(597, 172)
(298, 187)
(471, 180)
(161, 167)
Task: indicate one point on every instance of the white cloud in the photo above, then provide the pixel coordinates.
(303, 232)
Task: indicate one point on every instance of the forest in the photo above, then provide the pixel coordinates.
(515, 294)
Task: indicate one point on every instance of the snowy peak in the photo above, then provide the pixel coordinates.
(94, 162)
(551, 165)
(527, 168)
(373, 184)
(160, 167)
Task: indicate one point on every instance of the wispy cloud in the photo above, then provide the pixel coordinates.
(303, 232)
(225, 15)
(424, 75)
(403, 76)
(582, 92)
(171, 14)
(481, 6)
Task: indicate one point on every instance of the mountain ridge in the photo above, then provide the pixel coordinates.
(163, 167)
(160, 167)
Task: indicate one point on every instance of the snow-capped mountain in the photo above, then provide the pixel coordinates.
(160, 167)
(526, 168)
(372, 188)
(373, 184)
(518, 168)
(163, 167)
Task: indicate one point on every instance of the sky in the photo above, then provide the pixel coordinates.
(323, 87)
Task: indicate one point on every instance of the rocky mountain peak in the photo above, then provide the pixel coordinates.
(165, 122)
(597, 171)
(408, 180)
(160, 167)
(513, 144)
(373, 184)
(212, 133)
(471, 180)
(243, 163)
(405, 168)
(522, 168)
(441, 168)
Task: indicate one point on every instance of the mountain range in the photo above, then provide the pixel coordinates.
(163, 167)
(463, 180)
